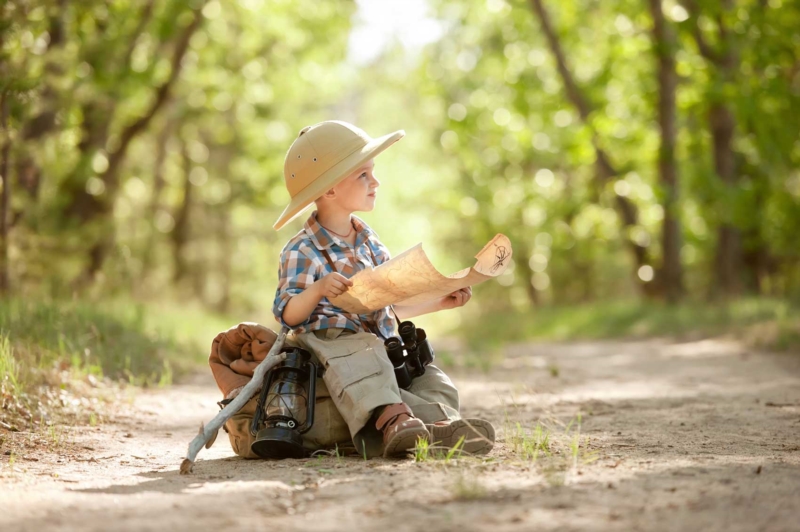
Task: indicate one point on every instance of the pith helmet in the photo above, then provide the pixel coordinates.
(321, 157)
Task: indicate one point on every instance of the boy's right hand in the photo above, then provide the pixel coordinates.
(332, 285)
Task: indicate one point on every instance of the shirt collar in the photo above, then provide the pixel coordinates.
(323, 239)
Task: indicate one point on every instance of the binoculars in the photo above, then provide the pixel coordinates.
(409, 354)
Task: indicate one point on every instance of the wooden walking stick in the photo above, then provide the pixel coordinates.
(207, 431)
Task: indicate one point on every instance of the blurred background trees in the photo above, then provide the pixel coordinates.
(631, 150)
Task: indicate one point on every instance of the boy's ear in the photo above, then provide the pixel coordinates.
(330, 194)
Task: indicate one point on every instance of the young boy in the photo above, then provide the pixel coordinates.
(331, 164)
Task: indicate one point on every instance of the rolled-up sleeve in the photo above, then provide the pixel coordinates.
(297, 272)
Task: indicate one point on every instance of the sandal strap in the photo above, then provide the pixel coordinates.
(390, 413)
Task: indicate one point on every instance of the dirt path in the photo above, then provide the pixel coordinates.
(684, 436)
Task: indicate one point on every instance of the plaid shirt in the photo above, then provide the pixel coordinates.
(302, 263)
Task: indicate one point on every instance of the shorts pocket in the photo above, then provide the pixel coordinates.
(347, 362)
(342, 346)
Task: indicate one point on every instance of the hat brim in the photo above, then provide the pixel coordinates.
(334, 175)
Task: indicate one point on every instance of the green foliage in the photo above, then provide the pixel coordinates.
(146, 144)
(203, 175)
(529, 444)
(526, 157)
(119, 340)
(765, 322)
(8, 364)
(425, 451)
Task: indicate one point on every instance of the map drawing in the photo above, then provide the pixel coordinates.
(410, 278)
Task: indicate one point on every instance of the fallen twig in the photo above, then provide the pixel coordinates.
(209, 430)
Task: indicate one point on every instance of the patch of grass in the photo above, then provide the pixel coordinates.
(554, 448)
(455, 450)
(422, 450)
(529, 444)
(46, 345)
(8, 363)
(54, 435)
(425, 451)
(780, 318)
(578, 454)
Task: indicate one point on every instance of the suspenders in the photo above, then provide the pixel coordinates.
(365, 325)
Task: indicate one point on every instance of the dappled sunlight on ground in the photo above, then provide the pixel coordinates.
(641, 435)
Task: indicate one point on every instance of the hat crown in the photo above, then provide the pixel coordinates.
(319, 148)
(321, 157)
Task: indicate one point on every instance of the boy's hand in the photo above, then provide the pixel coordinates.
(458, 298)
(332, 285)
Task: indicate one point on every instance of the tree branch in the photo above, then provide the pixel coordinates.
(573, 92)
(5, 198)
(605, 170)
(45, 121)
(144, 19)
(705, 49)
(162, 94)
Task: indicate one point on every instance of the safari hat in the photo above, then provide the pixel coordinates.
(321, 157)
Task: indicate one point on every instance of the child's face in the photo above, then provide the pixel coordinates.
(358, 191)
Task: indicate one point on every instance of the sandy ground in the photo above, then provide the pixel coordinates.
(702, 435)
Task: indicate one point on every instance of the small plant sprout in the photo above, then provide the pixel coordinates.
(54, 435)
(337, 454)
(529, 445)
(457, 448)
(422, 450)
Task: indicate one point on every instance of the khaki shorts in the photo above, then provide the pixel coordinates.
(358, 379)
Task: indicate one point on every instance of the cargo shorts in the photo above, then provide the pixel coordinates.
(358, 378)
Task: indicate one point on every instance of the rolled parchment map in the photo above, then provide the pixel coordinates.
(410, 278)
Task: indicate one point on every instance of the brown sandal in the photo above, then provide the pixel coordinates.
(401, 429)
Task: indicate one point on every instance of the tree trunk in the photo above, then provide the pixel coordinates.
(180, 233)
(527, 274)
(722, 125)
(5, 199)
(605, 170)
(671, 278)
(728, 261)
(27, 170)
(100, 207)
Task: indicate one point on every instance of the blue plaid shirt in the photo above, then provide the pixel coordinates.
(302, 263)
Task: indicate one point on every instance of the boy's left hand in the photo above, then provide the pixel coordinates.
(458, 298)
